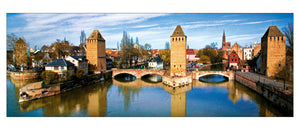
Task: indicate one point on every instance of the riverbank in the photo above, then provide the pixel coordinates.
(23, 75)
(35, 90)
(273, 91)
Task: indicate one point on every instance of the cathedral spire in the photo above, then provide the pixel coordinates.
(223, 40)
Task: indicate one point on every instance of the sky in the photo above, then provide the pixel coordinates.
(201, 29)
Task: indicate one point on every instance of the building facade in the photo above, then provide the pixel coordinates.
(247, 53)
(190, 55)
(237, 48)
(178, 52)
(95, 52)
(273, 51)
(59, 66)
(80, 62)
(234, 60)
(155, 63)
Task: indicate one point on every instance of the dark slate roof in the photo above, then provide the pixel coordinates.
(60, 62)
(178, 32)
(157, 59)
(96, 36)
(79, 58)
(273, 31)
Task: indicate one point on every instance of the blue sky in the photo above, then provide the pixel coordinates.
(201, 29)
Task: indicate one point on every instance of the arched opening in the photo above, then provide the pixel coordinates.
(125, 77)
(213, 78)
(152, 78)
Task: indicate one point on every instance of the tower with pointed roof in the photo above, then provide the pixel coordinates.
(225, 45)
(178, 52)
(273, 51)
(95, 52)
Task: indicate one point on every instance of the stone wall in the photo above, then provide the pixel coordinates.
(277, 97)
(22, 75)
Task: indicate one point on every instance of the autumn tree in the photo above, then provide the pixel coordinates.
(20, 51)
(165, 56)
(61, 49)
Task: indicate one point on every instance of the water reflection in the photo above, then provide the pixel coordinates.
(142, 98)
(178, 99)
(214, 78)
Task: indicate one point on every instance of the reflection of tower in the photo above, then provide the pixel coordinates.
(178, 104)
(97, 105)
(178, 99)
(178, 52)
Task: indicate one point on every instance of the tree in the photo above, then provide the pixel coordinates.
(20, 52)
(49, 77)
(11, 39)
(61, 48)
(289, 33)
(213, 45)
(165, 56)
(167, 46)
(204, 59)
(79, 73)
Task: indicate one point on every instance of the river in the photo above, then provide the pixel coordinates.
(130, 97)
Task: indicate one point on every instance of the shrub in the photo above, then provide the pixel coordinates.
(49, 77)
(79, 73)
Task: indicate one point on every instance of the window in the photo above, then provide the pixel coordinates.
(55, 67)
(279, 65)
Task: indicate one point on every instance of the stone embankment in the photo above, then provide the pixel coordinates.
(273, 91)
(23, 75)
(35, 90)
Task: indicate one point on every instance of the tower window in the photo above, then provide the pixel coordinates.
(173, 39)
(176, 38)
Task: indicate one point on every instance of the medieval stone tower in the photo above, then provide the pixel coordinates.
(273, 51)
(178, 52)
(95, 52)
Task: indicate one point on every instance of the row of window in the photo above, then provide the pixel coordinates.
(274, 38)
(179, 39)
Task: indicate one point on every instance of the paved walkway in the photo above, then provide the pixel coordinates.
(265, 80)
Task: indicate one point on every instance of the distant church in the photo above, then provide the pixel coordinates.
(225, 45)
(95, 53)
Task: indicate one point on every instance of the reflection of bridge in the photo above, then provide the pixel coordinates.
(138, 83)
(138, 73)
(197, 83)
(228, 74)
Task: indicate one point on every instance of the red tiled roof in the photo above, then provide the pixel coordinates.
(190, 52)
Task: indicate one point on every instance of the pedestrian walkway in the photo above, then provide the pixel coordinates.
(262, 79)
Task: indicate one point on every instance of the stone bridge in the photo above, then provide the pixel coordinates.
(228, 74)
(138, 73)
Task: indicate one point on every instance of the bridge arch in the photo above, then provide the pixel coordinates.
(227, 74)
(124, 73)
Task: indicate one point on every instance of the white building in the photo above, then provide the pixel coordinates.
(80, 62)
(155, 63)
(247, 53)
